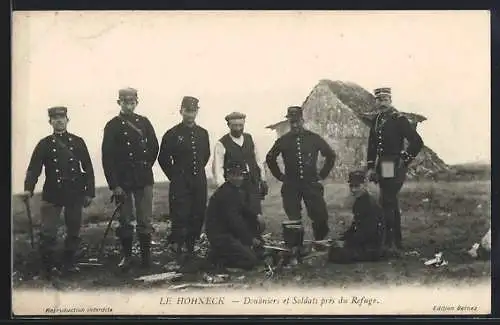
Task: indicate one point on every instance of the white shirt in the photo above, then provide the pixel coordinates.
(218, 162)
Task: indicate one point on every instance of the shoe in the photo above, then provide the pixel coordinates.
(69, 265)
(145, 244)
(126, 253)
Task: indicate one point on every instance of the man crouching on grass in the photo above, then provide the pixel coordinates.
(234, 237)
(364, 240)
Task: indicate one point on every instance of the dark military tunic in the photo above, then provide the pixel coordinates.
(386, 142)
(69, 174)
(300, 179)
(129, 150)
(69, 177)
(184, 153)
(127, 155)
(364, 239)
(228, 231)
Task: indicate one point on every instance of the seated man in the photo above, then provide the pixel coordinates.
(364, 240)
(232, 232)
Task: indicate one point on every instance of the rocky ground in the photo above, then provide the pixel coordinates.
(445, 217)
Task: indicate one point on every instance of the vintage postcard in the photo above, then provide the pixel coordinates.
(263, 162)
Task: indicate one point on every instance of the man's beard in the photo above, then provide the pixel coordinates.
(236, 134)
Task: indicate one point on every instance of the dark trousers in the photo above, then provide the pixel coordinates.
(228, 251)
(293, 192)
(253, 196)
(188, 201)
(389, 190)
(50, 220)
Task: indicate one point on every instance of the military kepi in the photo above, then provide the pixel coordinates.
(385, 91)
(294, 113)
(235, 116)
(356, 177)
(57, 111)
(235, 168)
(127, 93)
(190, 103)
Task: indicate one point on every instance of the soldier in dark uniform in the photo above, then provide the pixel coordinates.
(129, 150)
(69, 184)
(238, 146)
(364, 239)
(234, 242)
(299, 149)
(388, 161)
(184, 153)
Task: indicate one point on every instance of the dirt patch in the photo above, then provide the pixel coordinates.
(445, 217)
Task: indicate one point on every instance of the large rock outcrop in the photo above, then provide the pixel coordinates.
(340, 112)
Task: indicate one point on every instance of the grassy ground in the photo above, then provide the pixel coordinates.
(437, 216)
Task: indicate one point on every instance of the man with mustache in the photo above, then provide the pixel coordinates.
(238, 147)
(234, 243)
(184, 153)
(129, 150)
(69, 184)
(299, 149)
(388, 160)
(364, 239)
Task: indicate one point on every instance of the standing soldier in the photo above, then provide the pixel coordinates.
(299, 149)
(69, 184)
(184, 153)
(129, 150)
(239, 147)
(388, 162)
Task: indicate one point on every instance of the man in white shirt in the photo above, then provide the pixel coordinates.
(239, 147)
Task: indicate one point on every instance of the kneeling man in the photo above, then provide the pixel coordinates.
(364, 240)
(232, 229)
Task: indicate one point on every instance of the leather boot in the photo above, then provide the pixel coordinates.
(145, 244)
(49, 269)
(69, 264)
(126, 253)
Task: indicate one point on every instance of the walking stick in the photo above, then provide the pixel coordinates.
(28, 213)
(115, 213)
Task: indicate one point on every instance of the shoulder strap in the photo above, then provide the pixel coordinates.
(63, 146)
(132, 125)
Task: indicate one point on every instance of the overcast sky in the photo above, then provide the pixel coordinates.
(437, 63)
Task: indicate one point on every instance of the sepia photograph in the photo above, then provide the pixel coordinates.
(251, 163)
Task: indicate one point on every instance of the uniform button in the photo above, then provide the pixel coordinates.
(128, 143)
(130, 154)
(54, 150)
(192, 142)
(72, 169)
(125, 133)
(137, 120)
(123, 123)
(53, 140)
(69, 139)
(301, 176)
(70, 159)
(59, 181)
(57, 170)
(144, 151)
(70, 148)
(55, 159)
